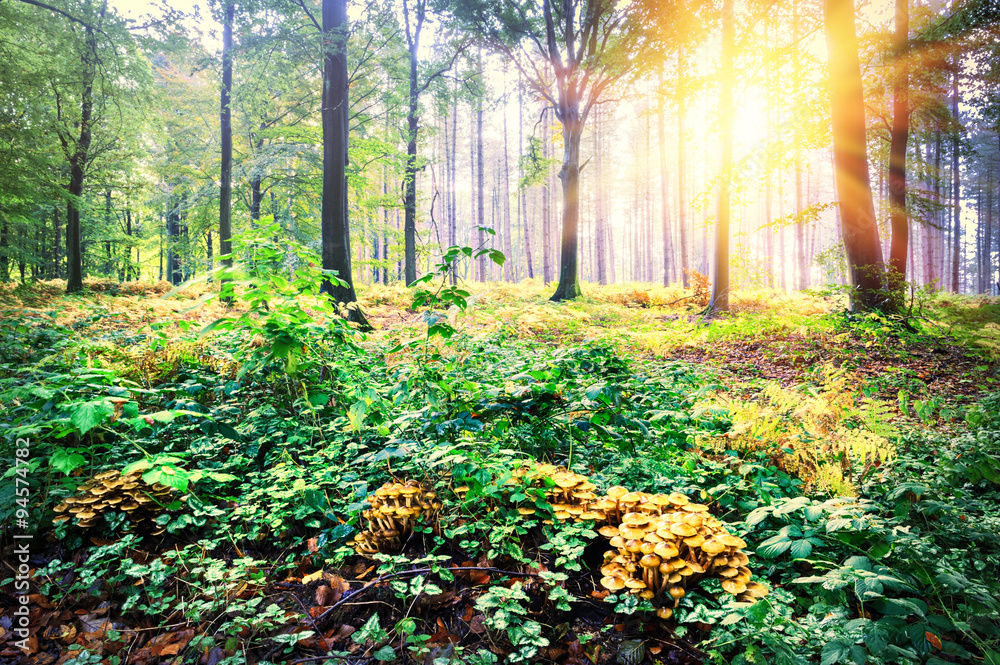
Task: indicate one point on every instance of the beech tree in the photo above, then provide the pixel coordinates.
(590, 45)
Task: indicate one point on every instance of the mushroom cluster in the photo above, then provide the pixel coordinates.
(570, 494)
(664, 543)
(395, 508)
(109, 491)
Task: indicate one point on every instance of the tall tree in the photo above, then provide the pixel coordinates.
(226, 132)
(590, 45)
(720, 283)
(414, 17)
(333, 219)
(898, 218)
(847, 109)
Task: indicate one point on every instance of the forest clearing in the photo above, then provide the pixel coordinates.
(587, 332)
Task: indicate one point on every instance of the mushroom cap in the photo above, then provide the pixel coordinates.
(647, 594)
(567, 481)
(757, 590)
(713, 546)
(633, 583)
(694, 519)
(526, 511)
(696, 567)
(674, 578)
(633, 546)
(647, 547)
(734, 586)
(617, 491)
(720, 562)
(695, 507)
(728, 572)
(682, 529)
(593, 516)
(730, 540)
(694, 541)
(676, 591)
(660, 500)
(635, 519)
(613, 570)
(664, 613)
(678, 499)
(741, 558)
(686, 571)
(617, 541)
(650, 561)
(631, 533)
(631, 498)
(651, 537)
(608, 531)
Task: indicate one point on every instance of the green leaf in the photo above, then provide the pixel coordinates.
(85, 416)
(800, 549)
(385, 654)
(66, 460)
(834, 652)
(774, 546)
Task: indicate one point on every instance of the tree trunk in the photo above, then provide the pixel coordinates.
(522, 202)
(334, 222)
(898, 218)
(546, 209)
(410, 171)
(720, 283)
(956, 190)
(669, 269)
(599, 221)
(508, 265)
(569, 284)
(681, 198)
(81, 155)
(226, 126)
(861, 241)
(481, 189)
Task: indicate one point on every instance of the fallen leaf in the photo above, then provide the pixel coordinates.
(933, 639)
(364, 572)
(341, 633)
(599, 594)
(654, 649)
(476, 625)
(339, 585)
(315, 612)
(313, 544)
(323, 595)
(40, 600)
(439, 600)
(469, 613)
(312, 577)
(42, 658)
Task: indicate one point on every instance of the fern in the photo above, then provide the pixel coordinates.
(825, 434)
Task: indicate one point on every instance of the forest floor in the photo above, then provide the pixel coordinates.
(858, 458)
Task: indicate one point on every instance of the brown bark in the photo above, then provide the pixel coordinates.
(861, 241)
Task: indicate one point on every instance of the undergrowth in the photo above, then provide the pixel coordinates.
(878, 538)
